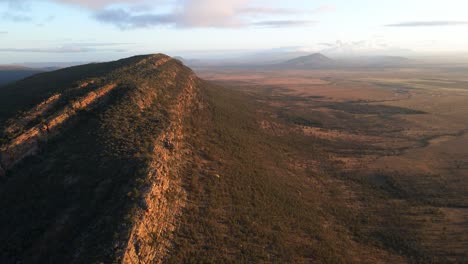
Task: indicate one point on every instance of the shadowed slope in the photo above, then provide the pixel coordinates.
(13, 73)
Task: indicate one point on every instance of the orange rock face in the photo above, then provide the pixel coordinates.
(86, 84)
(36, 112)
(158, 220)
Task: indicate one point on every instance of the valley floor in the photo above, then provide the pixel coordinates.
(378, 158)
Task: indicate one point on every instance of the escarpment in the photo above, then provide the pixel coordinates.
(97, 163)
(164, 197)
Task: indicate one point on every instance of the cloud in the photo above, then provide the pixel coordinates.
(45, 21)
(428, 24)
(372, 47)
(99, 44)
(92, 4)
(126, 20)
(284, 23)
(96, 4)
(15, 17)
(201, 14)
(209, 13)
(184, 13)
(16, 4)
(267, 11)
(70, 48)
(236, 13)
(15, 11)
(324, 8)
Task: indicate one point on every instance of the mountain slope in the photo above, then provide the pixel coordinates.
(91, 161)
(140, 161)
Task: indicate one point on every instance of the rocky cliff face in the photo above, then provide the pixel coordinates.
(116, 193)
(164, 197)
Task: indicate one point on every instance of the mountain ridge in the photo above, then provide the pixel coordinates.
(141, 161)
(127, 116)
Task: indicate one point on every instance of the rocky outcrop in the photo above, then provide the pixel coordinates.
(155, 60)
(39, 111)
(153, 226)
(34, 113)
(28, 143)
(86, 84)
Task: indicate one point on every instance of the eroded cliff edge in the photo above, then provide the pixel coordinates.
(164, 197)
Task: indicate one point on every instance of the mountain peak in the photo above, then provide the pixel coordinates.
(312, 60)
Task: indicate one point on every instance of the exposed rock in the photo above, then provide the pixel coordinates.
(36, 112)
(151, 233)
(86, 84)
(27, 144)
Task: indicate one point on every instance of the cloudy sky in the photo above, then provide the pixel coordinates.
(96, 30)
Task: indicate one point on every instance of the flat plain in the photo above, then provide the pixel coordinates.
(394, 138)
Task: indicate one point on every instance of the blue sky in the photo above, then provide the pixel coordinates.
(96, 30)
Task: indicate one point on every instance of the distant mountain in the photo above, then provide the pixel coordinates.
(53, 64)
(313, 60)
(11, 73)
(271, 56)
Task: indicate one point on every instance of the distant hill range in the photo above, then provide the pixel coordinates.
(310, 61)
(11, 73)
(318, 60)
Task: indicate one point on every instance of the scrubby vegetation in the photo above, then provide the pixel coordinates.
(254, 198)
(258, 187)
(281, 195)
